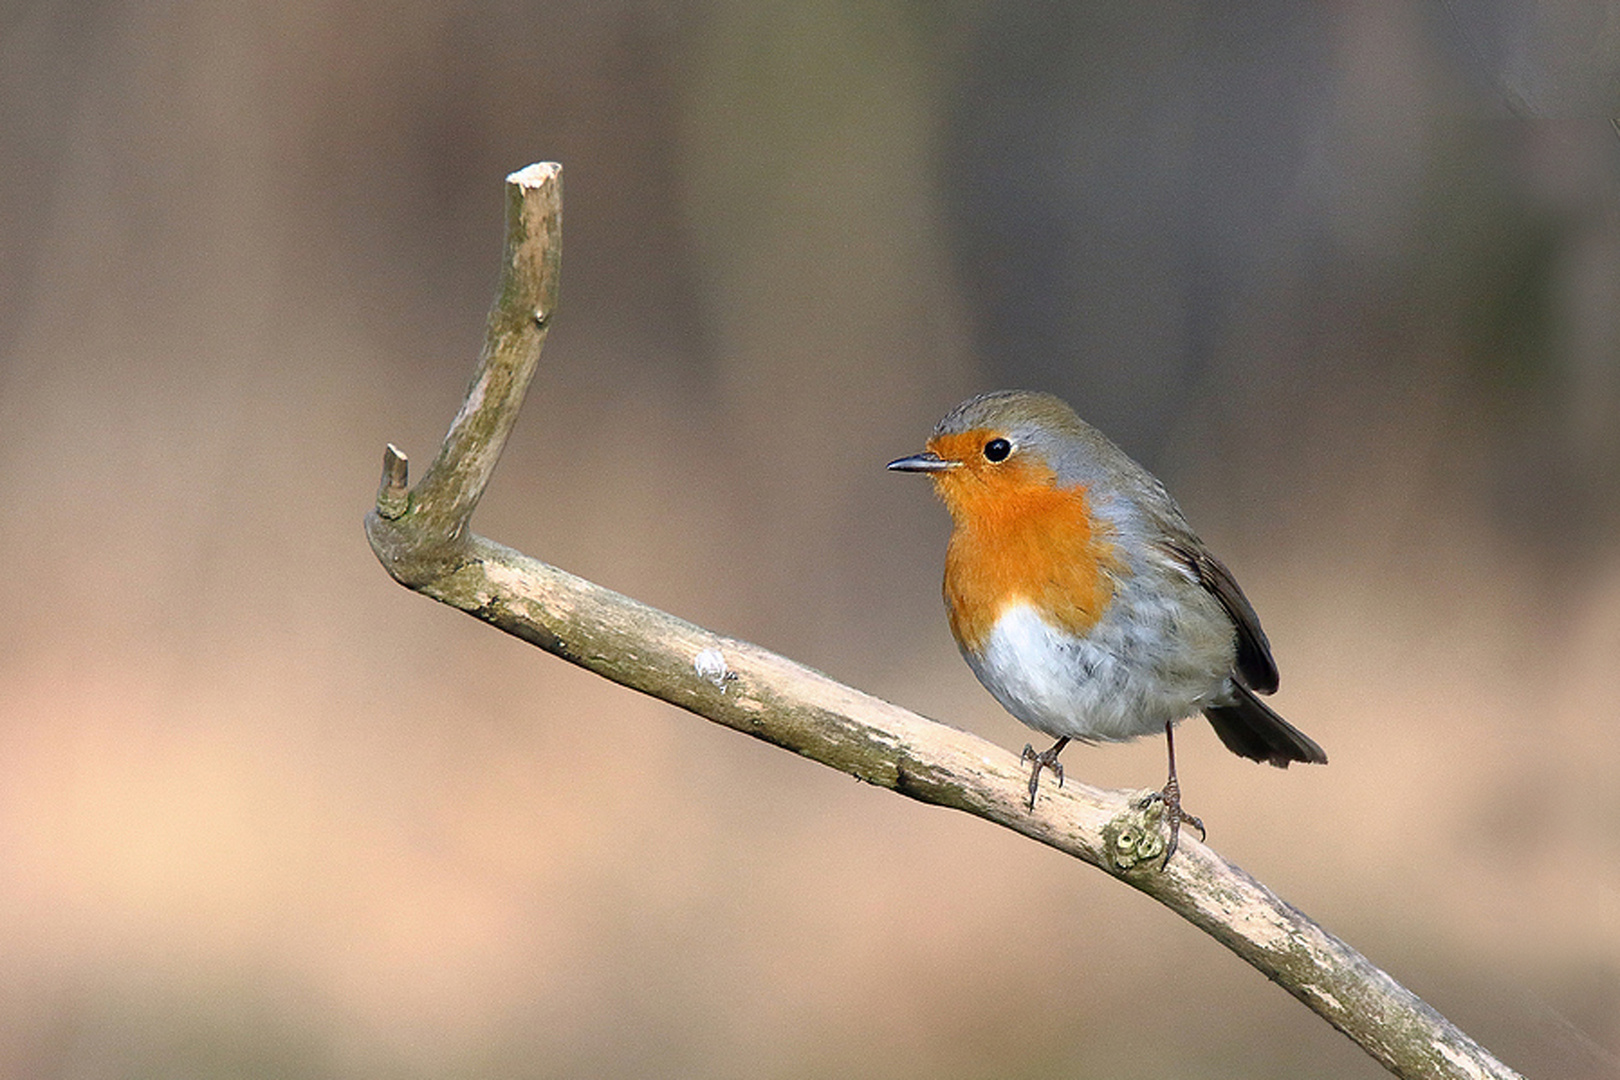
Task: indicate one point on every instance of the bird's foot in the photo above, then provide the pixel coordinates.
(1045, 760)
(1173, 815)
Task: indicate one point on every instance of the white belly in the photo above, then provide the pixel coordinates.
(1124, 679)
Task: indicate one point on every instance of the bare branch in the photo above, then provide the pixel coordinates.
(428, 533)
(423, 541)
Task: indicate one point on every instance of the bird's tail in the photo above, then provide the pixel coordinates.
(1250, 729)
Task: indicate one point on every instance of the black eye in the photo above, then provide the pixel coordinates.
(997, 450)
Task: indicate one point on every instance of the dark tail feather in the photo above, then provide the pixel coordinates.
(1250, 729)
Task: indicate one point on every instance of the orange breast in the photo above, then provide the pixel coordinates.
(1020, 538)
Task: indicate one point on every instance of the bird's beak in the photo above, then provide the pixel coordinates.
(927, 461)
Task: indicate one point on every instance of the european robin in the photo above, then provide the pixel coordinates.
(1083, 600)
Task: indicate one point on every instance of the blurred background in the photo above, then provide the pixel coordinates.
(1345, 275)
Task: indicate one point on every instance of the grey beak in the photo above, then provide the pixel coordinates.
(927, 461)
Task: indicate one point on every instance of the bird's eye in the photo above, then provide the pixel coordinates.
(997, 450)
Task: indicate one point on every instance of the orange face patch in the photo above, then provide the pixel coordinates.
(1019, 538)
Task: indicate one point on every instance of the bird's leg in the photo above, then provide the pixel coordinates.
(1046, 760)
(1171, 797)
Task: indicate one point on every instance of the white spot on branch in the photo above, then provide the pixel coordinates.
(710, 664)
(1465, 1063)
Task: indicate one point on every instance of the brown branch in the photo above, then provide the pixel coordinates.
(421, 537)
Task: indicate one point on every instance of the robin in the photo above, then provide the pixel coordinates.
(1083, 601)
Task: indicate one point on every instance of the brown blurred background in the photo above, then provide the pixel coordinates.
(1326, 268)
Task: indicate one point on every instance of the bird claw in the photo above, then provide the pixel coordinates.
(1174, 815)
(1045, 760)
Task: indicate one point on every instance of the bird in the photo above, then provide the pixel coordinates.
(1083, 600)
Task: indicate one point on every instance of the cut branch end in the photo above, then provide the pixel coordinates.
(393, 493)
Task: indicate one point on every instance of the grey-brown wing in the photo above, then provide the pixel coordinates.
(1254, 663)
